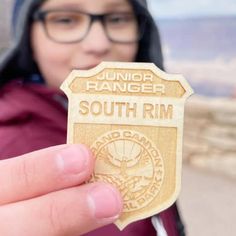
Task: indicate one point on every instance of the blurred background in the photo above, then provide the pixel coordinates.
(200, 36)
(199, 41)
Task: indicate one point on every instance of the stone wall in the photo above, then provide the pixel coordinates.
(210, 134)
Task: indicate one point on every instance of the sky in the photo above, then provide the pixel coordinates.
(191, 8)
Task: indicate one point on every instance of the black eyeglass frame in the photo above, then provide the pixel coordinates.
(40, 15)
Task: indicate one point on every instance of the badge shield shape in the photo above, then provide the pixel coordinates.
(131, 116)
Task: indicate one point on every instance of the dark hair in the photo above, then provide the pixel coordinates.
(146, 50)
(22, 63)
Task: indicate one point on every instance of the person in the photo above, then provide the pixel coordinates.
(51, 38)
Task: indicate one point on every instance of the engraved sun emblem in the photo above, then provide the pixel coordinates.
(124, 154)
(129, 165)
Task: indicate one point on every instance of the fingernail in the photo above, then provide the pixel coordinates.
(104, 202)
(73, 159)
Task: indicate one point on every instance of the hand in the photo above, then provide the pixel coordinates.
(43, 193)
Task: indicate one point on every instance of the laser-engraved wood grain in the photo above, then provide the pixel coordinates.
(131, 115)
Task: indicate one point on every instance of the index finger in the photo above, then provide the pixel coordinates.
(44, 171)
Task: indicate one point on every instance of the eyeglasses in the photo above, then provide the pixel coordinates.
(73, 26)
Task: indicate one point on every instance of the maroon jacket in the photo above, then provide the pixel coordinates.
(34, 117)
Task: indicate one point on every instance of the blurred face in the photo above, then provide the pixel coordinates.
(73, 41)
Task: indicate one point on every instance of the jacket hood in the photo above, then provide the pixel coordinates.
(17, 61)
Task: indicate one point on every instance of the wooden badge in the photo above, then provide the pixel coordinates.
(131, 115)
